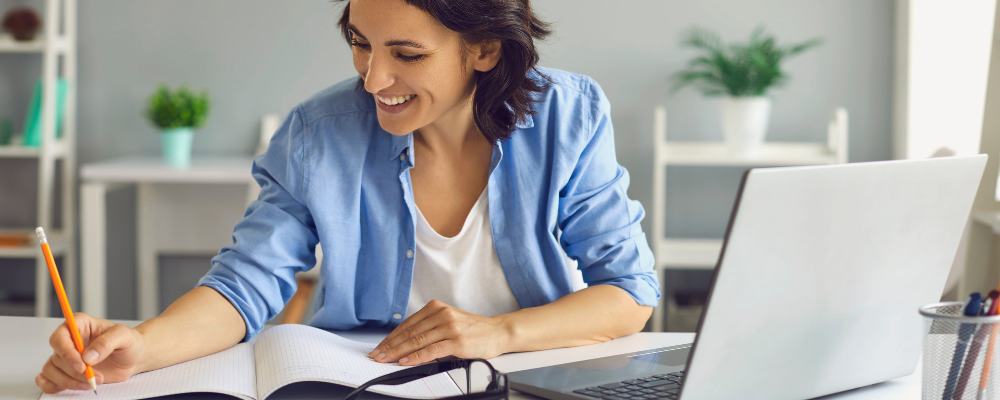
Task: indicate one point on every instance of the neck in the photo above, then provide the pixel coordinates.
(452, 133)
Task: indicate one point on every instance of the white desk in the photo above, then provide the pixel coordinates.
(179, 211)
(24, 347)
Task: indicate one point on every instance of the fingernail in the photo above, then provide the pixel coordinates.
(90, 356)
(403, 360)
(380, 356)
(84, 386)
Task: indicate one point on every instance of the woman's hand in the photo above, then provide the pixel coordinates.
(439, 330)
(114, 351)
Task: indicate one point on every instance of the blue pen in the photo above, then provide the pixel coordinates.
(977, 343)
(965, 331)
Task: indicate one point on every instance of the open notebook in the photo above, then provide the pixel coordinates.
(280, 356)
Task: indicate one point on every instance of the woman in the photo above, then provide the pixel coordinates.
(445, 185)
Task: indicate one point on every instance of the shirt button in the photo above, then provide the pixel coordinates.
(402, 156)
(396, 316)
(409, 253)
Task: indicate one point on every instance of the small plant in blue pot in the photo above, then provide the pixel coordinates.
(176, 114)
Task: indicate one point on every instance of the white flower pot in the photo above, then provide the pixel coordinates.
(744, 123)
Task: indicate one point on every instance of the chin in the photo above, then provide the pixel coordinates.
(397, 128)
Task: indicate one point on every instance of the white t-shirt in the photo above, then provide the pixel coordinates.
(462, 271)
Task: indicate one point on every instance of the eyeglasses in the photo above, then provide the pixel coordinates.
(496, 390)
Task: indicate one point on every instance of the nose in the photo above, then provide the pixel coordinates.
(379, 75)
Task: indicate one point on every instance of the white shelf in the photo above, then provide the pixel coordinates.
(21, 151)
(38, 45)
(703, 254)
(770, 154)
(57, 52)
(57, 244)
(153, 169)
(688, 253)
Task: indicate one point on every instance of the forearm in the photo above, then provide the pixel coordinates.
(199, 323)
(592, 315)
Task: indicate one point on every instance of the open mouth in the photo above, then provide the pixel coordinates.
(397, 100)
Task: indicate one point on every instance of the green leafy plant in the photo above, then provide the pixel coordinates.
(738, 70)
(182, 108)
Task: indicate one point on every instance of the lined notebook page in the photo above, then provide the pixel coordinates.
(297, 353)
(230, 371)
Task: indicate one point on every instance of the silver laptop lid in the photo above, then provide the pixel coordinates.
(821, 275)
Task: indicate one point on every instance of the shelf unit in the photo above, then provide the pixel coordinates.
(51, 44)
(703, 253)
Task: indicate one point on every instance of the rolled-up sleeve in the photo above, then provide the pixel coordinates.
(600, 224)
(276, 238)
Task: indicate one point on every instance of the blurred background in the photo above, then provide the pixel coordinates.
(908, 76)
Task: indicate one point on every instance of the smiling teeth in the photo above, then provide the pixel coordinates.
(395, 100)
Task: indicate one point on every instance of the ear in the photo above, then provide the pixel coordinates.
(486, 55)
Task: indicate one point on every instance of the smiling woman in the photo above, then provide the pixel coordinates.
(494, 42)
(448, 184)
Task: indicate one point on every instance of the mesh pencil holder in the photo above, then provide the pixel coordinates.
(961, 354)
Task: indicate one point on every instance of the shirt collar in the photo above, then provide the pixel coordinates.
(527, 123)
(400, 144)
(405, 142)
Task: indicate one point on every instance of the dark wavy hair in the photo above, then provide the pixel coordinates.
(503, 94)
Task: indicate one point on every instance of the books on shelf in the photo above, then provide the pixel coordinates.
(17, 239)
(32, 122)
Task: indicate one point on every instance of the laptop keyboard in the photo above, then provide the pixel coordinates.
(655, 387)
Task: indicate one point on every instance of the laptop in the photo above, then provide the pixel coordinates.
(815, 292)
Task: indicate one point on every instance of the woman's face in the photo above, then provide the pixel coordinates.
(411, 63)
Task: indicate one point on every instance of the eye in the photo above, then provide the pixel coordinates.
(362, 46)
(356, 43)
(407, 58)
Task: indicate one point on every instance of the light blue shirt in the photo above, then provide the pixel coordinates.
(331, 175)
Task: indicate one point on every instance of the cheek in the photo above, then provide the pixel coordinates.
(360, 62)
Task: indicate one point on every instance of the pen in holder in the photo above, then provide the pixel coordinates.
(960, 354)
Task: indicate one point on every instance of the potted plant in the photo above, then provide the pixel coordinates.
(176, 114)
(742, 73)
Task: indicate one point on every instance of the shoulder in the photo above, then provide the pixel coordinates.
(340, 99)
(564, 85)
(569, 110)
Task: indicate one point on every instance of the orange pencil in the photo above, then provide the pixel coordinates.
(64, 303)
(984, 377)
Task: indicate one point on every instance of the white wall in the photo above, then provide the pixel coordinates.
(942, 66)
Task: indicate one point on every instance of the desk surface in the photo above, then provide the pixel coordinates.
(152, 169)
(24, 348)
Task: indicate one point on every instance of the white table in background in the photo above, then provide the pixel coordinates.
(179, 211)
(24, 347)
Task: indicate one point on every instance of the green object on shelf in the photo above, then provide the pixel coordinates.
(177, 146)
(6, 131)
(32, 123)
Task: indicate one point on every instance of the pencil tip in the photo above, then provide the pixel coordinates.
(95, 392)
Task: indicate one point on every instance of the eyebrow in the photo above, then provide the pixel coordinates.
(391, 43)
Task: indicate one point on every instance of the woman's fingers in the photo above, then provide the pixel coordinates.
(60, 379)
(118, 337)
(67, 369)
(431, 308)
(416, 332)
(63, 346)
(434, 333)
(46, 385)
(432, 352)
